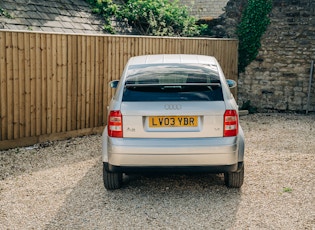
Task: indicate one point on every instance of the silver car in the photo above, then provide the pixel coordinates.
(173, 113)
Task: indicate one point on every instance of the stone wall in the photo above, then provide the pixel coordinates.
(225, 25)
(279, 77)
(205, 8)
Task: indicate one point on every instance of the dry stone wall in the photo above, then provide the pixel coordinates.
(279, 77)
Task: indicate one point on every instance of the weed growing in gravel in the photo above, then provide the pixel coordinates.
(287, 189)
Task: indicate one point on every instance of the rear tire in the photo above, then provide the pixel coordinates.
(112, 180)
(234, 179)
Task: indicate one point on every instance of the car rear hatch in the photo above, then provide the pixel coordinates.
(171, 101)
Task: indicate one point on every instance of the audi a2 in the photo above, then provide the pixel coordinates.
(173, 113)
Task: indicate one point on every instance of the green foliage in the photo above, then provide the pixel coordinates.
(160, 18)
(150, 17)
(107, 9)
(253, 25)
(287, 189)
(5, 13)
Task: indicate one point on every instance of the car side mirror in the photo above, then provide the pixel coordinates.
(113, 84)
(231, 83)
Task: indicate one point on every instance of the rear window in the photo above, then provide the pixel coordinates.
(172, 82)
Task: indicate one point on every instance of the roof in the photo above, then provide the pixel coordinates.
(65, 16)
(173, 58)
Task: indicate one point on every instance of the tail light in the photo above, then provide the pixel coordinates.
(230, 123)
(114, 125)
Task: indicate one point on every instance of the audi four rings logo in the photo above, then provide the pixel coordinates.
(172, 107)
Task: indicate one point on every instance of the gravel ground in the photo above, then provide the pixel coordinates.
(59, 186)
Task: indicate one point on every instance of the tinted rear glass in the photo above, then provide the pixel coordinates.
(172, 82)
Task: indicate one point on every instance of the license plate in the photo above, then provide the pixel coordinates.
(173, 121)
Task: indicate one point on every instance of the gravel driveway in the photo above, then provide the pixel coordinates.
(59, 186)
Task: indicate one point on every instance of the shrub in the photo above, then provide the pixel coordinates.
(160, 18)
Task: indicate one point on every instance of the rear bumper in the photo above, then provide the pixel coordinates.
(172, 169)
(204, 154)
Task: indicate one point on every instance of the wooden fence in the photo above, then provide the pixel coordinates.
(54, 86)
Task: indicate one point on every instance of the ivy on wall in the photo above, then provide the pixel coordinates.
(254, 22)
